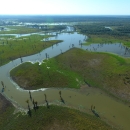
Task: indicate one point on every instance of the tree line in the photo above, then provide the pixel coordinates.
(118, 29)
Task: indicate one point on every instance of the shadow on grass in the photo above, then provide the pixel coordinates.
(87, 83)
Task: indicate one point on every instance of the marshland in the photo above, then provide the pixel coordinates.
(74, 73)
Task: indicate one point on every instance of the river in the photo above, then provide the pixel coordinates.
(110, 110)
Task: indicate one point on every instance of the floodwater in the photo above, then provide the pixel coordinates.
(39, 33)
(110, 110)
(115, 48)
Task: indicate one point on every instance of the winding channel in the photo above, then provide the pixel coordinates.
(110, 110)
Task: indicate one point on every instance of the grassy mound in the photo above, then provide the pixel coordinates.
(46, 75)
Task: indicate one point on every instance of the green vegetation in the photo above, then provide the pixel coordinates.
(31, 29)
(97, 33)
(20, 30)
(12, 48)
(6, 111)
(46, 118)
(106, 71)
(6, 116)
(107, 39)
(46, 75)
(101, 39)
(3, 37)
(56, 117)
(68, 70)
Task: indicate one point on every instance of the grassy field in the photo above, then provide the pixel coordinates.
(97, 33)
(68, 70)
(47, 75)
(12, 48)
(6, 37)
(19, 30)
(106, 71)
(6, 111)
(26, 30)
(54, 117)
(107, 39)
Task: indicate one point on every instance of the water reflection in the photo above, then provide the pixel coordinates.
(117, 48)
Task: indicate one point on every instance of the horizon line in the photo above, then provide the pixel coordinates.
(70, 14)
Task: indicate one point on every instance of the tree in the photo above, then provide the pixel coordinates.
(29, 110)
(62, 100)
(45, 96)
(46, 101)
(60, 93)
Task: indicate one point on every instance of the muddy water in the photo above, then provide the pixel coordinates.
(107, 107)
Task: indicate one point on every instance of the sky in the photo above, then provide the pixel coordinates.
(66, 7)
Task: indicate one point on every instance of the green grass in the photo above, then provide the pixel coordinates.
(5, 37)
(13, 48)
(39, 76)
(107, 39)
(55, 117)
(26, 30)
(19, 30)
(6, 116)
(106, 71)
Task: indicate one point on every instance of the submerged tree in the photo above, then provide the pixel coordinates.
(27, 101)
(30, 95)
(36, 104)
(46, 101)
(60, 93)
(45, 96)
(2, 83)
(62, 100)
(94, 111)
(29, 110)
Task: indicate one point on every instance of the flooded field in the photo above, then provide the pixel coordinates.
(109, 109)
